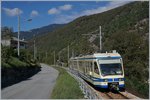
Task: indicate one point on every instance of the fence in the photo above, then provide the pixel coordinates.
(88, 91)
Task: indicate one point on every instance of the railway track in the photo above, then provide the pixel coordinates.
(109, 94)
(118, 95)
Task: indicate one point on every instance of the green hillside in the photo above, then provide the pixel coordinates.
(125, 29)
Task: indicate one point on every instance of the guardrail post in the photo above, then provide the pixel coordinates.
(88, 92)
(91, 97)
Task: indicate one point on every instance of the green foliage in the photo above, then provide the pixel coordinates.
(6, 53)
(134, 49)
(139, 86)
(14, 62)
(6, 65)
(10, 58)
(68, 86)
(25, 55)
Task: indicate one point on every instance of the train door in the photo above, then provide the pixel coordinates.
(96, 70)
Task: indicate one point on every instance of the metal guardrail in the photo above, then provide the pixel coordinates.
(88, 91)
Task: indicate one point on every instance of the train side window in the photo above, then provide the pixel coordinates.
(96, 68)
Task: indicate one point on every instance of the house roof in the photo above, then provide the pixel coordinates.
(16, 39)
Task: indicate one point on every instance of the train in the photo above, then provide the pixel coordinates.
(103, 70)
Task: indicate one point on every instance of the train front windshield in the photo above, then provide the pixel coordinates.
(111, 69)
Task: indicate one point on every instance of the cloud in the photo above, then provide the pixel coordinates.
(94, 11)
(53, 11)
(59, 9)
(34, 13)
(12, 12)
(111, 5)
(60, 19)
(68, 18)
(65, 7)
(117, 3)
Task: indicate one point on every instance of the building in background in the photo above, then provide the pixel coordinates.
(13, 42)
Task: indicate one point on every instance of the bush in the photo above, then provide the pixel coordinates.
(136, 86)
(17, 63)
(6, 52)
(5, 65)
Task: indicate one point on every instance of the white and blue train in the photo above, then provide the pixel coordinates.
(104, 70)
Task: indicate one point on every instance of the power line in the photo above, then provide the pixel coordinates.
(18, 48)
(34, 48)
(100, 36)
(68, 55)
(54, 58)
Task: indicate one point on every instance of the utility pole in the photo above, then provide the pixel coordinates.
(72, 53)
(54, 58)
(18, 47)
(68, 55)
(34, 47)
(46, 54)
(39, 56)
(100, 38)
(59, 56)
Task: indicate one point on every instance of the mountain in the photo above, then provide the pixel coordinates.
(118, 20)
(38, 31)
(125, 29)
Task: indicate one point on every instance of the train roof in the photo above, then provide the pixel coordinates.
(100, 56)
(106, 54)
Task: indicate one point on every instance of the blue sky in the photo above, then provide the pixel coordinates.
(44, 13)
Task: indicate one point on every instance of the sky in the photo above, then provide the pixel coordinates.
(45, 13)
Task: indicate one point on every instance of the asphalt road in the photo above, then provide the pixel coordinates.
(39, 86)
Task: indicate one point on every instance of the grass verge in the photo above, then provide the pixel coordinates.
(66, 87)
